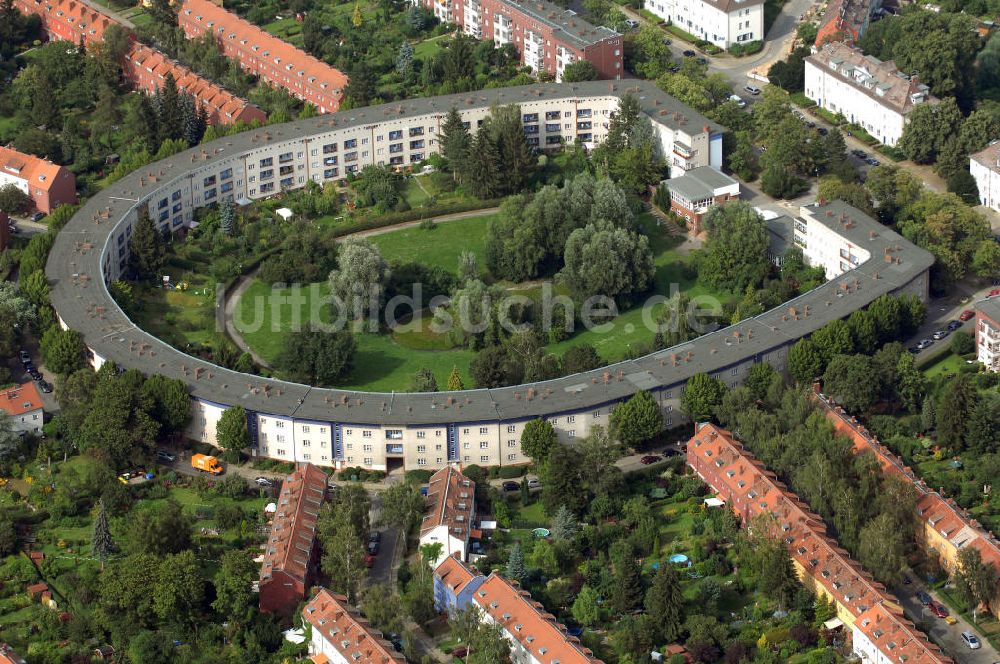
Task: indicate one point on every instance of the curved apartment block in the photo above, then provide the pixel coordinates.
(341, 428)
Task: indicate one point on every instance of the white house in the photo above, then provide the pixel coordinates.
(451, 508)
(985, 168)
(341, 635)
(23, 404)
(868, 92)
(722, 22)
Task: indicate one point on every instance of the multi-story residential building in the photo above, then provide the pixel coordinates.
(144, 66)
(863, 605)
(271, 59)
(48, 185)
(863, 89)
(697, 191)
(946, 527)
(147, 69)
(341, 635)
(723, 22)
(23, 405)
(454, 583)
(536, 637)
(985, 168)
(291, 554)
(449, 513)
(845, 21)
(834, 237)
(380, 431)
(988, 333)
(546, 36)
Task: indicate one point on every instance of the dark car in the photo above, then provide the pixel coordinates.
(860, 154)
(44, 386)
(38, 216)
(165, 456)
(954, 325)
(650, 458)
(460, 651)
(872, 161)
(822, 131)
(511, 486)
(689, 53)
(35, 375)
(668, 41)
(924, 598)
(24, 356)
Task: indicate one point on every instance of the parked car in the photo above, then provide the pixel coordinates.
(940, 334)
(650, 459)
(954, 325)
(668, 41)
(369, 560)
(739, 100)
(872, 161)
(165, 456)
(38, 216)
(823, 131)
(860, 154)
(632, 24)
(913, 349)
(938, 609)
(752, 89)
(25, 357)
(993, 293)
(924, 598)
(534, 483)
(44, 386)
(689, 53)
(35, 375)
(971, 640)
(511, 486)
(925, 343)
(966, 315)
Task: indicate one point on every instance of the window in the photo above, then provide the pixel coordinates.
(421, 449)
(366, 448)
(330, 173)
(465, 446)
(366, 433)
(511, 428)
(284, 158)
(209, 181)
(465, 431)
(416, 131)
(351, 156)
(210, 194)
(368, 461)
(396, 135)
(226, 187)
(306, 456)
(162, 204)
(176, 196)
(279, 424)
(280, 452)
(416, 145)
(350, 432)
(350, 144)
(394, 434)
(529, 117)
(305, 443)
(421, 462)
(511, 457)
(280, 438)
(483, 430)
(596, 414)
(570, 419)
(329, 148)
(484, 458)
(269, 173)
(483, 445)
(350, 446)
(511, 443)
(266, 162)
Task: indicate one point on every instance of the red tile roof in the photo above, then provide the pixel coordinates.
(309, 74)
(37, 172)
(454, 573)
(343, 627)
(63, 19)
(221, 106)
(8, 656)
(293, 530)
(896, 637)
(22, 399)
(752, 490)
(527, 622)
(451, 501)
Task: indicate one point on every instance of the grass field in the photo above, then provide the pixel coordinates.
(948, 364)
(428, 48)
(288, 29)
(179, 317)
(441, 245)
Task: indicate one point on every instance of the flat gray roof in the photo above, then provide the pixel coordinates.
(990, 307)
(700, 183)
(567, 23)
(84, 304)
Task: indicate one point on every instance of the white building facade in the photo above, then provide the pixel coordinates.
(985, 168)
(722, 22)
(868, 92)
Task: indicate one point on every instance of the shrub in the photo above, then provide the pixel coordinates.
(748, 48)
(510, 472)
(418, 476)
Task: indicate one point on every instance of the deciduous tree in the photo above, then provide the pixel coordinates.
(701, 396)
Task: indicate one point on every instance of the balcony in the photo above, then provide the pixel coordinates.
(394, 448)
(683, 151)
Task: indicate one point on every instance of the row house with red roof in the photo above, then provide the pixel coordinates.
(548, 38)
(341, 635)
(946, 527)
(879, 632)
(291, 554)
(48, 185)
(449, 513)
(271, 59)
(145, 67)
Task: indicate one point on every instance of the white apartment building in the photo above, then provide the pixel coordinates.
(832, 242)
(988, 333)
(722, 22)
(985, 168)
(866, 91)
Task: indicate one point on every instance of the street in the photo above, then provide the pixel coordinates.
(947, 636)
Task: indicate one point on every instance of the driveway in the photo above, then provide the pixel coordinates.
(947, 636)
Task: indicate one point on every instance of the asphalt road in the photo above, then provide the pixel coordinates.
(947, 636)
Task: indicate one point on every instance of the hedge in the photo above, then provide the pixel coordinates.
(801, 100)
(748, 48)
(418, 476)
(891, 152)
(686, 36)
(510, 472)
(862, 135)
(650, 16)
(833, 118)
(393, 218)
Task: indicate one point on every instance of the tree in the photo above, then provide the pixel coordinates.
(343, 551)
(564, 525)
(383, 608)
(152, 647)
(231, 433)
(909, 383)
(777, 578)
(581, 70)
(404, 59)
(736, 251)
(179, 589)
(516, 568)
(586, 607)
(170, 402)
(986, 259)
(360, 281)
(627, 592)
(13, 200)
(468, 266)
(227, 217)
(356, 18)
(743, 158)
(63, 350)
(850, 380)
(701, 396)
(805, 363)
(402, 506)
(581, 358)
(318, 357)
(927, 129)
(485, 640)
(147, 252)
(976, 580)
(101, 543)
(8, 535)
(882, 550)
(954, 407)
(234, 595)
(160, 530)
(455, 383)
(538, 439)
(424, 381)
(665, 604)
(601, 260)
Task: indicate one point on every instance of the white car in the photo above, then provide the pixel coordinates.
(263, 481)
(971, 640)
(752, 89)
(739, 100)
